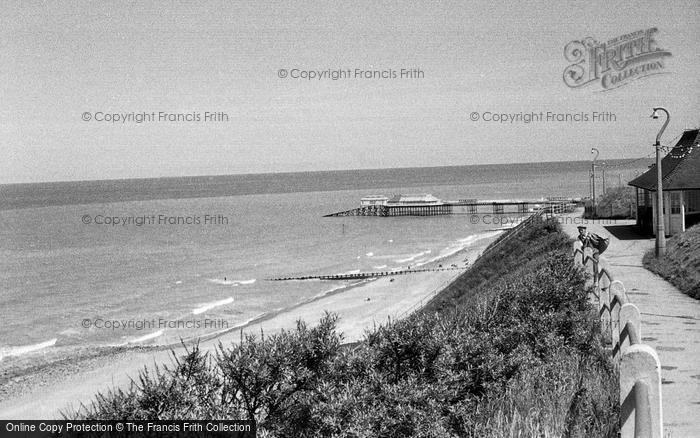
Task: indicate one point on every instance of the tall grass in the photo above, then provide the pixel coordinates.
(681, 263)
(511, 349)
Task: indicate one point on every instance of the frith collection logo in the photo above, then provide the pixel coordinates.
(614, 63)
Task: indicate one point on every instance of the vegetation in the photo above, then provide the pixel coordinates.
(511, 349)
(681, 264)
(616, 203)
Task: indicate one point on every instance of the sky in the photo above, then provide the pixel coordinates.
(64, 62)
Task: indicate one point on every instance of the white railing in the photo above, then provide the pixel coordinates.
(638, 364)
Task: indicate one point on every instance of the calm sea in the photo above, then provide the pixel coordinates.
(203, 264)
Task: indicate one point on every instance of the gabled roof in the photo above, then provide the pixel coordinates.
(680, 168)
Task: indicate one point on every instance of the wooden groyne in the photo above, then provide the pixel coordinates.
(364, 275)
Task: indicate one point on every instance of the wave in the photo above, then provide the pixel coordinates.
(251, 281)
(24, 349)
(379, 267)
(231, 282)
(208, 306)
(146, 337)
(414, 256)
(370, 254)
(338, 288)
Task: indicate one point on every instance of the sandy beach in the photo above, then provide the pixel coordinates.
(46, 392)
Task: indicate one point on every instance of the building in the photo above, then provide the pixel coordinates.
(407, 200)
(402, 205)
(373, 200)
(680, 185)
(416, 205)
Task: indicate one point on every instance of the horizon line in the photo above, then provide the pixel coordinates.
(308, 171)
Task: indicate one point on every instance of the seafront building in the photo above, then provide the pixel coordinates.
(406, 205)
(680, 170)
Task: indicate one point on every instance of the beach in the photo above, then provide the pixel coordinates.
(45, 392)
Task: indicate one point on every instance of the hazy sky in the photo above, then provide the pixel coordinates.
(59, 60)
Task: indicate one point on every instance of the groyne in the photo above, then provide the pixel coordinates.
(363, 275)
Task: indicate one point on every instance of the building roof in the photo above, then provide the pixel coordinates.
(414, 199)
(680, 167)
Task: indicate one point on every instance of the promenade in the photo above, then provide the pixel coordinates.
(670, 320)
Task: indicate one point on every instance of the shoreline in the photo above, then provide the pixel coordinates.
(47, 389)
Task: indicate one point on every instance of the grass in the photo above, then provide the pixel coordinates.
(681, 263)
(616, 202)
(512, 348)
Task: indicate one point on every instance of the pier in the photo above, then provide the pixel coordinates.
(462, 206)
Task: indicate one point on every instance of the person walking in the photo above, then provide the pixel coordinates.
(598, 244)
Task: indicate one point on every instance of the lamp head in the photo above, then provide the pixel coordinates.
(655, 114)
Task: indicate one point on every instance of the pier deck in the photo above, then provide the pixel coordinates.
(464, 206)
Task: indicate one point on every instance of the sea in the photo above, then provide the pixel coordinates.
(153, 261)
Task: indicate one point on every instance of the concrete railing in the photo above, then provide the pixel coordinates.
(638, 364)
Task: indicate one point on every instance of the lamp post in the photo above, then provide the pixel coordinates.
(596, 152)
(660, 231)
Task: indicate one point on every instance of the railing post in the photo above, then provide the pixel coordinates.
(596, 275)
(604, 306)
(617, 299)
(629, 313)
(640, 393)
